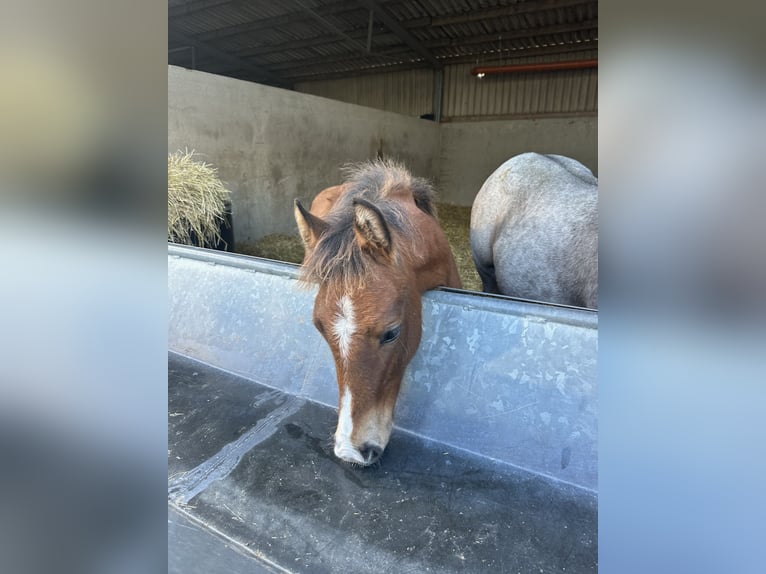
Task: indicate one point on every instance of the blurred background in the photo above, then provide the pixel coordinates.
(683, 278)
(83, 295)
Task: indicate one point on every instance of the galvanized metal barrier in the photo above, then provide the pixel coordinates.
(506, 379)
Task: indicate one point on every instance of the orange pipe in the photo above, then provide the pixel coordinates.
(542, 67)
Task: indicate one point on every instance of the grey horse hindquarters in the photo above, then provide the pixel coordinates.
(534, 230)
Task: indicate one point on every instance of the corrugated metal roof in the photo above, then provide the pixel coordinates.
(297, 40)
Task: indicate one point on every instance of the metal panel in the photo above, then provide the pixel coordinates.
(510, 380)
(520, 94)
(466, 96)
(408, 92)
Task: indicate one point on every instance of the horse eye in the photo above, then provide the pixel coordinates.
(391, 335)
(318, 325)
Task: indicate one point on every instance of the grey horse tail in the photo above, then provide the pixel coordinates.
(487, 273)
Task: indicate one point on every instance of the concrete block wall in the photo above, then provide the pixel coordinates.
(272, 145)
(470, 151)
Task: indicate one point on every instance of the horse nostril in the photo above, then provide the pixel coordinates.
(370, 452)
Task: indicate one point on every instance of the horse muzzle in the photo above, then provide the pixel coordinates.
(367, 454)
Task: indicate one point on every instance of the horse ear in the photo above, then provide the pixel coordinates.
(370, 227)
(310, 226)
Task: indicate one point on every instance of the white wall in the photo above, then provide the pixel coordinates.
(272, 145)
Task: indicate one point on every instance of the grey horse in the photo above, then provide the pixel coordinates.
(534, 230)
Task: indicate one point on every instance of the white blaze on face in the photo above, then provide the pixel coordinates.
(343, 447)
(344, 326)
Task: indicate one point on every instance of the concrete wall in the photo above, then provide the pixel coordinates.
(471, 151)
(271, 145)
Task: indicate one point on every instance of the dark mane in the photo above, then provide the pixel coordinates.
(337, 256)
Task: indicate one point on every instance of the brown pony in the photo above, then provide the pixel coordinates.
(374, 245)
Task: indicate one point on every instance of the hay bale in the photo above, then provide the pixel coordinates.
(196, 201)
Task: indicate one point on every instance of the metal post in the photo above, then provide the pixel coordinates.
(183, 49)
(438, 93)
(369, 32)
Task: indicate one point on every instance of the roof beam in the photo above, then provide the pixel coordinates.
(310, 62)
(310, 76)
(311, 73)
(513, 10)
(393, 52)
(343, 74)
(345, 7)
(430, 44)
(358, 34)
(515, 35)
(308, 72)
(256, 71)
(330, 26)
(191, 7)
(509, 56)
(421, 22)
(275, 21)
(393, 25)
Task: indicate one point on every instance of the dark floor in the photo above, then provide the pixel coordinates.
(253, 481)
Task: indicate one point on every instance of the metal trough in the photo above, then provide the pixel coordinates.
(492, 465)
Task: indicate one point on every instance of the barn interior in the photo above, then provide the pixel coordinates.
(279, 96)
